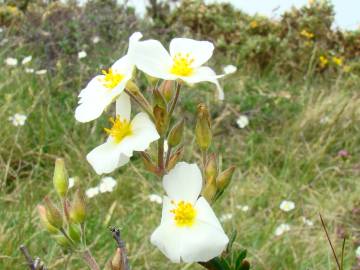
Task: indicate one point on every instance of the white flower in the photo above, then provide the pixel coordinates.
(243, 208)
(226, 217)
(324, 120)
(29, 70)
(229, 69)
(307, 222)
(242, 121)
(92, 192)
(107, 184)
(1, 29)
(287, 205)
(189, 230)
(185, 61)
(155, 198)
(26, 60)
(281, 229)
(95, 39)
(10, 61)
(357, 252)
(71, 182)
(125, 137)
(18, 119)
(102, 90)
(41, 72)
(82, 54)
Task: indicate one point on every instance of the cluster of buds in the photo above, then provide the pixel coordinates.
(216, 181)
(65, 223)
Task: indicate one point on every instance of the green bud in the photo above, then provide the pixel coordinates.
(166, 89)
(211, 170)
(44, 221)
(62, 240)
(159, 99)
(176, 133)
(203, 128)
(132, 87)
(77, 211)
(224, 178)
(53, 214)
(161, 117)
(74, 232)
(60, 179)
(174, 158)
(209, 191)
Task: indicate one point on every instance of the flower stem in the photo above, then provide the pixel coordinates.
(89, 259)
(168, 153)
(145, 107)
(175, 100)
(161, 155)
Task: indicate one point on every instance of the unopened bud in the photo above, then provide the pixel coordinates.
(44, 221)
(175, 134)
(203, 128)
(161, 122)
(174, 158)
(209, 191)
(53, 214)
(74, 232)
(224, 178)
(78, 208)
(60, 179)
(166, 89)
(132, 87)
(117, 262)
(159, 99)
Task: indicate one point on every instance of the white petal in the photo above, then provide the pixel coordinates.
(152, 58)
(200, 51)
(205, 213)
(124, 66)
(202, 242)
(183, 182)
(167, 238)
(205, 74)
(143, 132)
(123, 106)
(134, 38)
(106, 158)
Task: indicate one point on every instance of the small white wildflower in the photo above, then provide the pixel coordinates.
(282, 228)
(357, 252)
(324, 120)
(287, 205)
(1, 29)
(107, 184)
(82, 54)
(29, 70)
(18, 119)
(155, 198)
(242, 121)
(229, 69)
(92, 192)
(41, 72)
(243, 208)
(26, 60)
(10, 61)
(71, 182)
(226, 217)
(307, 222)
(95, 39)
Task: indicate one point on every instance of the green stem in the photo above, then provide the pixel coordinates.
(89, 259)
(161, 155)
(145, 107)
(175, 100)
(168, 153)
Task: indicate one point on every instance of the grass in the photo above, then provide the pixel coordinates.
(287, 152)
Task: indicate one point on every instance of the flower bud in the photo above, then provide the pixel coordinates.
(161, 122)
(78, 208)
(159, 99)
(175, 134)
(174, 158)
(209, 191)
(60, 179)
(53, 214)
(211, 170)
(166, 89)
(203, 128)
(117, 262)
(62, 241)
(224, 178)
(132, 87)
(74, 232)
(44, 221)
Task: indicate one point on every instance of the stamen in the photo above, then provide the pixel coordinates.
(184, 214)
(120, 129)
(182, 65)
(111, 79)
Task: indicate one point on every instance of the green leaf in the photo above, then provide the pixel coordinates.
(241, 256)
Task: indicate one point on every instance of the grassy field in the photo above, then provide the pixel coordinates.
(289, 151)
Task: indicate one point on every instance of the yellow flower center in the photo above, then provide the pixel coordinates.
(337, 60)
(111, 79)
(184, 214)
(182, 65)
(119, 130)
(307, 34)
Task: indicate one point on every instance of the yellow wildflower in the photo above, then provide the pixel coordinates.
(323, 61)
(307, 34)
(338, 61)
